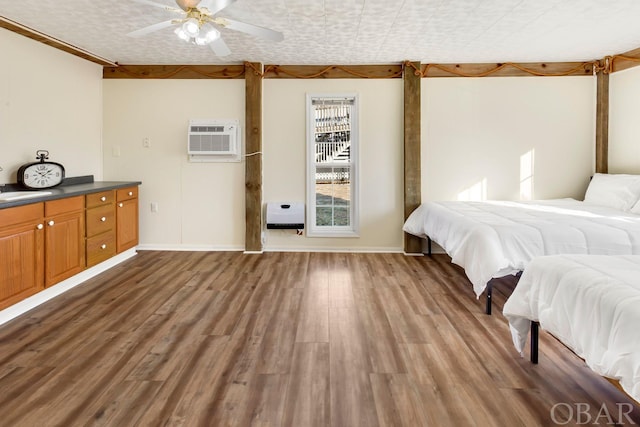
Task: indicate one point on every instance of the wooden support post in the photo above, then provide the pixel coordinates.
(412, 160)
(602, 122)
(253, 172)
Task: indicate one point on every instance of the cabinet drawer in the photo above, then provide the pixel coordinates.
(70, 204)
(21, 214)
(127, 193)
(100, 219)
(101, 247)
(100, 199)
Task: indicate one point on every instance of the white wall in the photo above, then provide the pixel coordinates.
(473, 130)
(200, 205)
(476, 132)
(380, 161)
(49, 100)
(624, 121)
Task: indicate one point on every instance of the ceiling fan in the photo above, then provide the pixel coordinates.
(199, 25)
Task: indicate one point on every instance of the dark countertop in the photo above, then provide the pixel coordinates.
(71, 187)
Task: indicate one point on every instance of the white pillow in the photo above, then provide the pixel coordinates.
(636, 208)
(616, 191)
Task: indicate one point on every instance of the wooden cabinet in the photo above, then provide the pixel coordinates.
(21, 253)
(64, 239)
(44, 243)
(101, 227)
(40, 245)
(126, 218)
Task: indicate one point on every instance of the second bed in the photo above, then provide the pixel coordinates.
(495, 239)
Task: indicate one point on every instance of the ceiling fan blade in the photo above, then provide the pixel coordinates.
(254, 30)
(214, 6)
(161, 6)
(151, 28)
(219, 47)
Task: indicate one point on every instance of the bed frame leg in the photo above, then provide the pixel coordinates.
(429, 246)
(489, 292)
(534, 342)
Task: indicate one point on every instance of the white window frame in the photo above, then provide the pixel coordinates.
(351, 230)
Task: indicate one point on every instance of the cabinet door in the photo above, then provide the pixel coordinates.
(21, 262)
(65, 249)
(126, 224)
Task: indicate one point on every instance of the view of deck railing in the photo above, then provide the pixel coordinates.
(334, 151)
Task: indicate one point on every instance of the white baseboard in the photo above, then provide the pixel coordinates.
(336, 250)
(190, 248)
(412, 254)
(47, 294)
(211, 248)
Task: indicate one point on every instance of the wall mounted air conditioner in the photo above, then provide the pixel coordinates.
(214, 141)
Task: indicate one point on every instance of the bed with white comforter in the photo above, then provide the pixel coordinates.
(591, 304)
(494, 239)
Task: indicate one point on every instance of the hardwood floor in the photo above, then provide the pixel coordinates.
(294, 339)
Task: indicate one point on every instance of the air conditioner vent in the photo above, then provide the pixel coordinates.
(209, 143)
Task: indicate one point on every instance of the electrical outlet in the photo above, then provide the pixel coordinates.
(146, 142)
(116, 151)
(154, 206)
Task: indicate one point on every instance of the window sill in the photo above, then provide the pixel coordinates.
(331, 234)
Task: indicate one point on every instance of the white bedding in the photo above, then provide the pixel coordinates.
(591, 303)
(494, 239)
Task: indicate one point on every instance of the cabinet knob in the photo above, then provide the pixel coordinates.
(131, 193)
(103, 198)
(103, 219)
(120, 204)
(40, 226)
(51, 223)
(104, 246)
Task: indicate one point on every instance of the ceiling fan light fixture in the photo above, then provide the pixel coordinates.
(207, 35)
(198, 21)
(181, 34)
(191, 27)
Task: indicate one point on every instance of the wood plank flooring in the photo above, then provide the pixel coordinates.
(293, 339)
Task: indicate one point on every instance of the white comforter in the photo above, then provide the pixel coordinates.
(494, 239)
(591, 304)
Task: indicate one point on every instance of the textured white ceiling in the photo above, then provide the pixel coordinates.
(351, 31)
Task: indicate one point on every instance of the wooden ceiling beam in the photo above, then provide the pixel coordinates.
(509, 69)
(174, 72)
(51, 41)
(625, 60)
(349, 71)
(332, 71)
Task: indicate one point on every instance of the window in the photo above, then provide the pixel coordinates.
(332, 153)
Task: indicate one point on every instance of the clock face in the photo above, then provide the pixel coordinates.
(43, 175)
